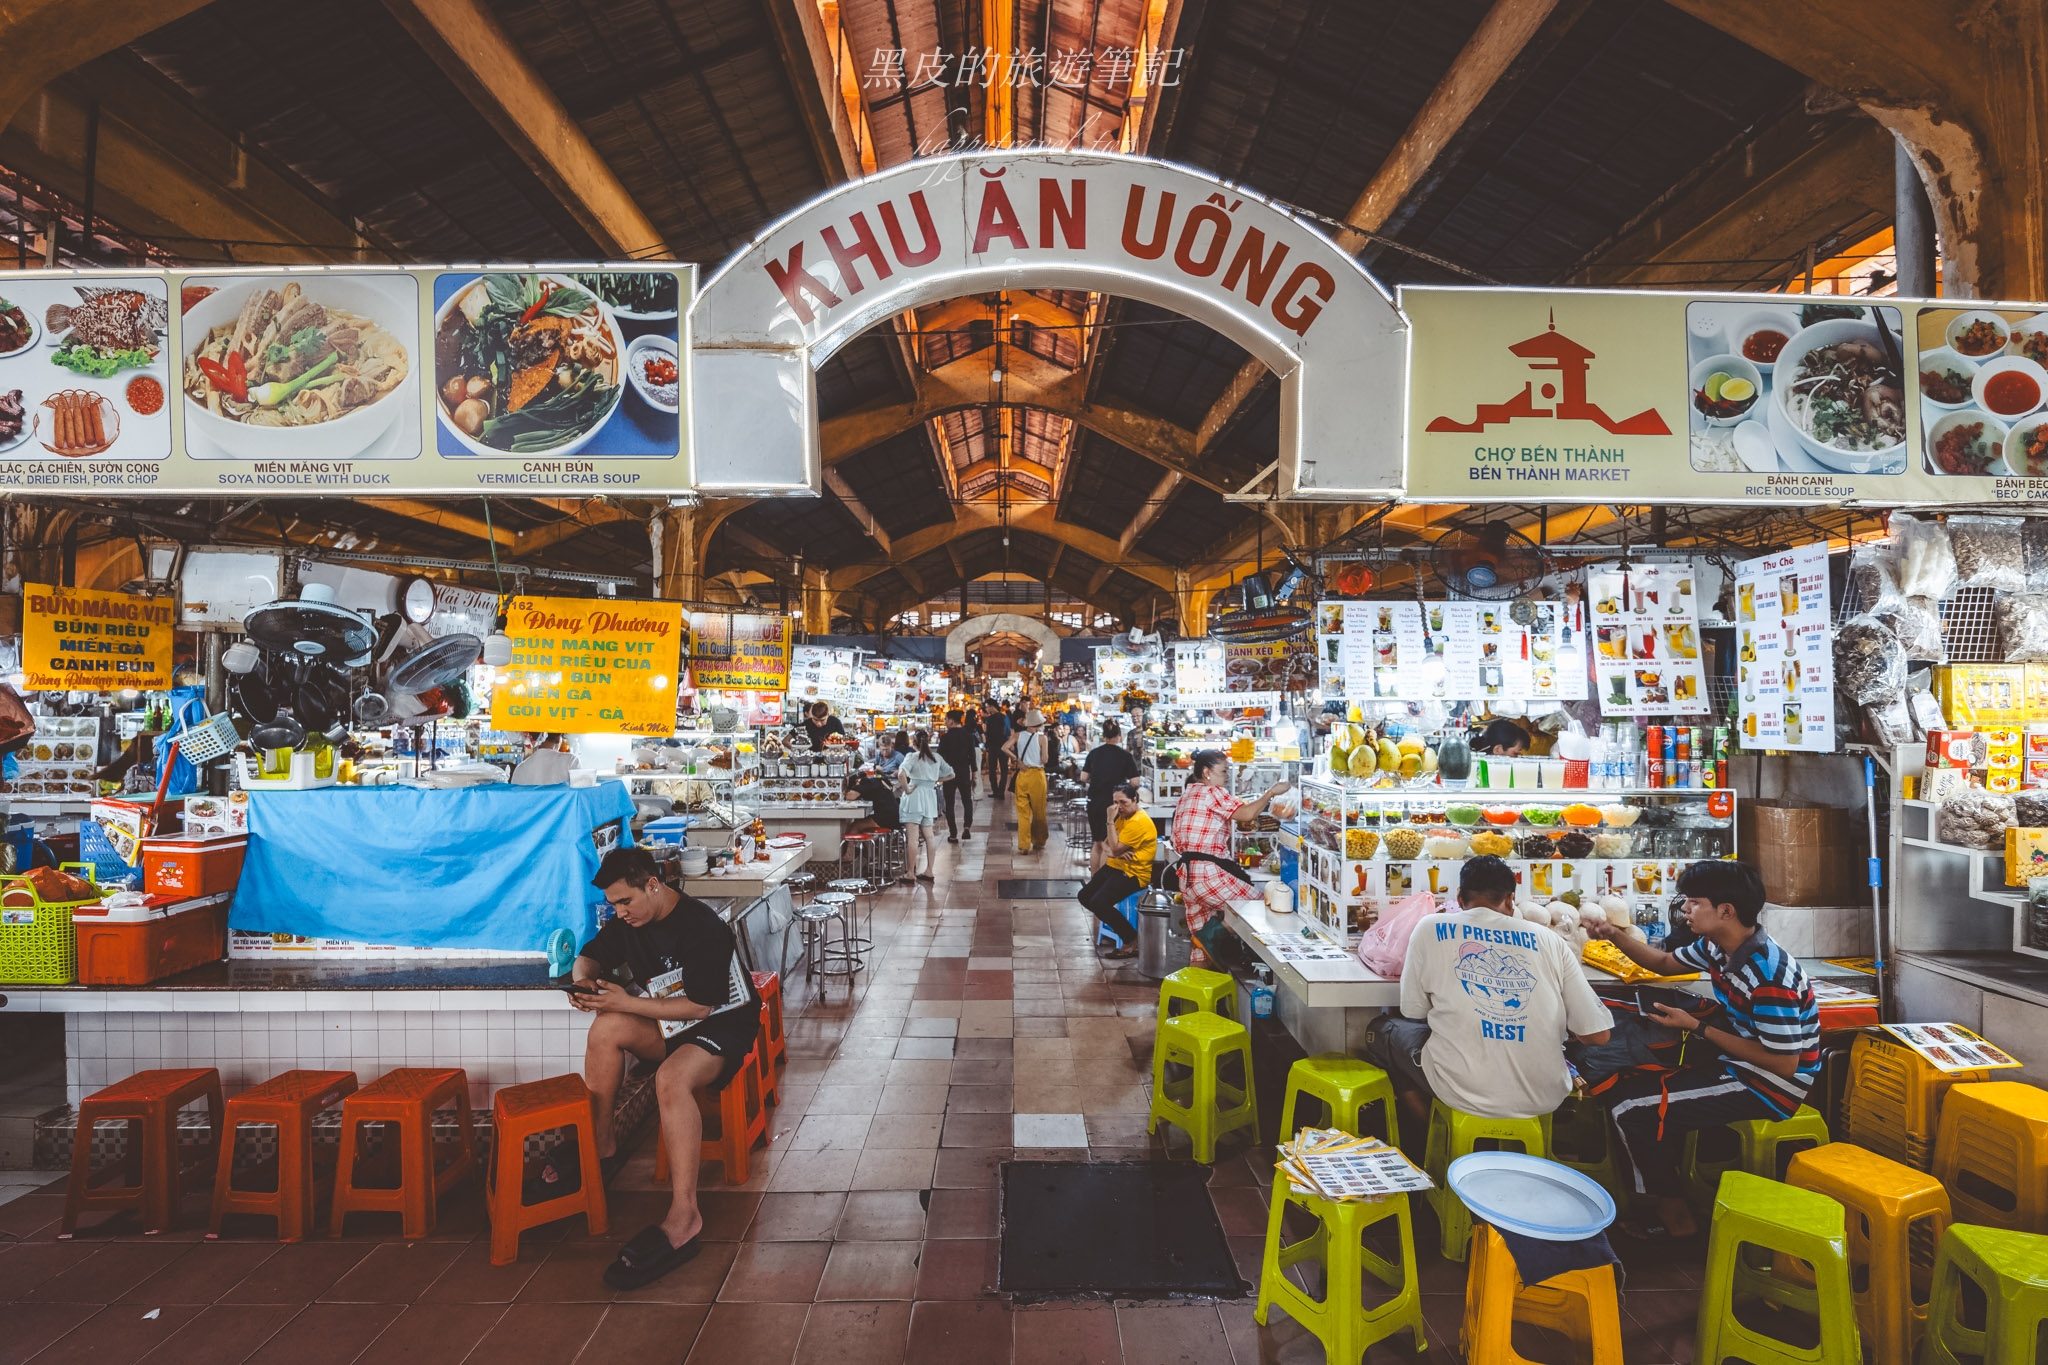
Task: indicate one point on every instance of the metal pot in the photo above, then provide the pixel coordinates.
(1163, 944)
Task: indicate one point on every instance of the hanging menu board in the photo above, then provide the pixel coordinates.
(590, 666)
(1452, 651)
(745, 652)
(76, 639)
(1785, 667)
(820, 674)
(1646, 639)
(1198, 675)
(1116, 670)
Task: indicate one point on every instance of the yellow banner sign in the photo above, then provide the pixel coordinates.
(740, 652)
(78, 640)
(590, 666)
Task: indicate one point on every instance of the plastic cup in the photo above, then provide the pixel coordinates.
(1552, 771)
(1526, 772)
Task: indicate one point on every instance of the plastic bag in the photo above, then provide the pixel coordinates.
(2034, 549)
(1874, 577)
(2022, 620)
(2030, 812)
(1869, 664)
(1384, 947)
(1916, 621)
(1927, 562)
(1891, 722)
(1988, 552)
(1974, 818)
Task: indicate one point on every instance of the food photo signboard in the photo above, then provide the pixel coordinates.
(590, 666)
(749, 653)
(79, 640)
(1610, 396)
(344, 381)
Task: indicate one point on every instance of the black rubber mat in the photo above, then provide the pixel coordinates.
(1125, 1229)
(1038, 889)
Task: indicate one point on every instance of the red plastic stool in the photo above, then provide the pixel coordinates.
(742, 1121)
(404, 1101)
(517, 1113)
(149, 1100)
(288, 1102)
(774, 1046)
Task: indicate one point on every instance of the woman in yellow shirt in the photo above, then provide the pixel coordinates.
(1127, 871)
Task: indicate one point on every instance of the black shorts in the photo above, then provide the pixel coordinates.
(728, 1037)
(1098, 819)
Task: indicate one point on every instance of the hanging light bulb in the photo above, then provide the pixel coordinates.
(498, 645)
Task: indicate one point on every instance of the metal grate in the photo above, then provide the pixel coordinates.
(1967, 630)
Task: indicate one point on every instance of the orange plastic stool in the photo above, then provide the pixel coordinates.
(149, 1100)
(1893, 1104)
(774, 1045)
(404, 1101)
(1992, 1154)
(1582, 1304)
(517, 1113)
(742, 1121)
(289, 1103)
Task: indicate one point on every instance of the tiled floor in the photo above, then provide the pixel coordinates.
(867, 1234)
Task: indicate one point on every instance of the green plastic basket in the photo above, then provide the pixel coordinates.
(37, 944)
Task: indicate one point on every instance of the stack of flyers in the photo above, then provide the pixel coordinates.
(1951, 1047)
(1336, 1165)
(1827, 992)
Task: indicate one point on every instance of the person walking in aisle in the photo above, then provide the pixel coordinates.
(1026, 751)
(957, 747)
(920, 776)
(995, 734)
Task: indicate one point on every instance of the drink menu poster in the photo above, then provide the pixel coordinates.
(1646, 639)
(1452, 651)
(1785, 665)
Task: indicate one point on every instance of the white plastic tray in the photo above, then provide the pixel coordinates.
(1527, 1194)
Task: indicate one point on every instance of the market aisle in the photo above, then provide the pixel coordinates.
(867, 1233)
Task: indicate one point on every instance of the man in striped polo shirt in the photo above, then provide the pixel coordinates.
(1763, 1052)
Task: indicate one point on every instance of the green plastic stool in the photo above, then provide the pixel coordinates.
(1346, 1086)
(1198, 988)
(1202, 1105)
(1453, 1134)
(1766, 1146)
(1774, 1216)
(1581, 1126)
(2012, 1270)
(1339, 1319)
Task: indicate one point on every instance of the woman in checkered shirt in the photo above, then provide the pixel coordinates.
(1201, 826)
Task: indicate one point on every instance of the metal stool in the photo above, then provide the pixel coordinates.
(1078, 833)
(893, 848)
(860, 859)
(802, 887)
(821, 956)
(860, 924)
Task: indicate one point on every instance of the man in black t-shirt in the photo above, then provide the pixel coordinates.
(690, 1007)
(995, 730)
(821, 725)
(957, 746)
(1109, 765)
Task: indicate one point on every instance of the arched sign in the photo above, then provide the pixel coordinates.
(939, 229)
(978, 627)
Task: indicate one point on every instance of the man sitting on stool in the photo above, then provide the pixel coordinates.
(1487, 1000)
(1126, 871)
(695, 1016)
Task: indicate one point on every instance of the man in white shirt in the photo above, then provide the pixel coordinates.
(1487, 1002)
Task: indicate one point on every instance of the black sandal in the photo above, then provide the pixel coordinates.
(647, 1256)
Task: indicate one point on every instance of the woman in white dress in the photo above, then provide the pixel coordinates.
(920, 778)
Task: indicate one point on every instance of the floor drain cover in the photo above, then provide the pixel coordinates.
(1038, 889)
(1129, 1229)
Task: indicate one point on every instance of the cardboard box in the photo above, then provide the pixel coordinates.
(1950, 748)
(1973, 696)
(2026, 855)
(1808, 853)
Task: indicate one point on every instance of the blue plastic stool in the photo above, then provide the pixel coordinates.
(1128, 906)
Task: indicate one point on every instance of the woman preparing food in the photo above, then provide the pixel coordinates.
(1209, 875)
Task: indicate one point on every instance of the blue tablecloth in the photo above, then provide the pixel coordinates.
(479, 867)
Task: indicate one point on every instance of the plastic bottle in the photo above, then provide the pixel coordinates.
(1262, 993)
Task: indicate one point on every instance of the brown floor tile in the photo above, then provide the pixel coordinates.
(882, 1216)
(864, 1271)
(543, 1334)
(980, 1099)
(969, 1167)
(958, 1270)
(978, 1129)
(1002, 990)
(644, 1333)
(904, 1132)
(912, 1099)
(855, 1334)
(982, 1049)
(1063, 1335)
(433, 1333)
(32, 1216)
(327, 1334)
(727, 1213)
(886, 1169)
(815, 1171)
(750, 1334)
(108, 1272)
(32, 1326)
(393, 1272)
(574, 1273)
(963, 1213)
(25, 1268)
(119, 1332)
(203, 1274)
(951, 1333)
(775, 1272)
(1172, 1334)
(796, 1217)
(983, 1070)
(1049, 1023)
(1241, 1209)
(471, 1278)
(224, 1334)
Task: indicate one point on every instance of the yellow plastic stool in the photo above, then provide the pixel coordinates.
(1203, 1106)
(1339, 1319)
(1582, 1126)
(1453, 1134)
(1893, 1102)
(1345, 1086)
(1762, 1144)
(1992, 1154)
(2011, 1268)
(1581, 1304)
(1779, 1218)
(1198, 988)
(1896, 1216)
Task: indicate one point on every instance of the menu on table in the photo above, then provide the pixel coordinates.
(1646, 639)
(1951, 1047)
(1785, 663)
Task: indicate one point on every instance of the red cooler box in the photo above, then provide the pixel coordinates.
(192, 865)
(136, 945)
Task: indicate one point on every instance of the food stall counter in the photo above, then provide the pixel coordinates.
(748, 881)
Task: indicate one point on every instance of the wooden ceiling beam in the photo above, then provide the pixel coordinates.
(43, 39)
(1155, 503)
(444, 518)
(972, 517)
(473, 50)
(836, 481)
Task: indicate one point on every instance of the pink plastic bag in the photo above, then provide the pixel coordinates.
(1384, 947)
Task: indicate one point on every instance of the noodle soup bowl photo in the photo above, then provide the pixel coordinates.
(526, 364)
(2010, 387)
(312, 367)
(1840, 393)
